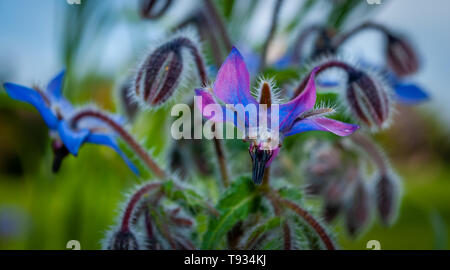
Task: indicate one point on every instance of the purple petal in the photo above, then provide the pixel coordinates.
(208, 99)
(303, 102)
(34, 98)
(54, 88)
(322, 124)
(232, 84)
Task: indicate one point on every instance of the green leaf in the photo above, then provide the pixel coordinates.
(185, 196)
(234, 206)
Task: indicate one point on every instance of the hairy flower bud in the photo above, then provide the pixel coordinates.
(386, 197)
(357, 214)
(158, 77)
(322, 168)
(122, 240)
(368, 99)
(160, 74)
(401, 57)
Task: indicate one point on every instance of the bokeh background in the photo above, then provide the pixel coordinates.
(100, 42)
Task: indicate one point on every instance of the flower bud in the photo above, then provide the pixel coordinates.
(160, 74)
(128, 104)
(122, 240)
(357, 214)
(401, 57)
(386, 197)
(322, 167)
(158, 77)
(153, 9)
(368, 99)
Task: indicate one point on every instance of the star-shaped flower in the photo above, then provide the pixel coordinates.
(57, 112)
(232, 87)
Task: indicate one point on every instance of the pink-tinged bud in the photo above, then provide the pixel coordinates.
(322, 167)
(368, 99)
(386, 197)
(358, 211)
(401, 57)
(158, 77)
(123, 240)
(161, 73)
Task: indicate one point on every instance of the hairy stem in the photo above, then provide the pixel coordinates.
(126, 136)
(311, 221)
(198, 59)
(212, 11)
(368, 25)
(217, 143)
(300, 42)
(131, 205)
(287, 237)
(321, 68)
(222, 162)
(372, 151)
(273, 28)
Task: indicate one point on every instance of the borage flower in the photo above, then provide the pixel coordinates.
(57, 112)
(232, 88)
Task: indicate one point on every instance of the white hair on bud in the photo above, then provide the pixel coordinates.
(188, 74)
(380, 79)
(275, 92)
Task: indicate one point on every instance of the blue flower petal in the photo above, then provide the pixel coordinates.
(34, 98)
(410, 93)
(107, 140)
(54, 88)
(324, 83)
(72, 139)
(322, 124)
